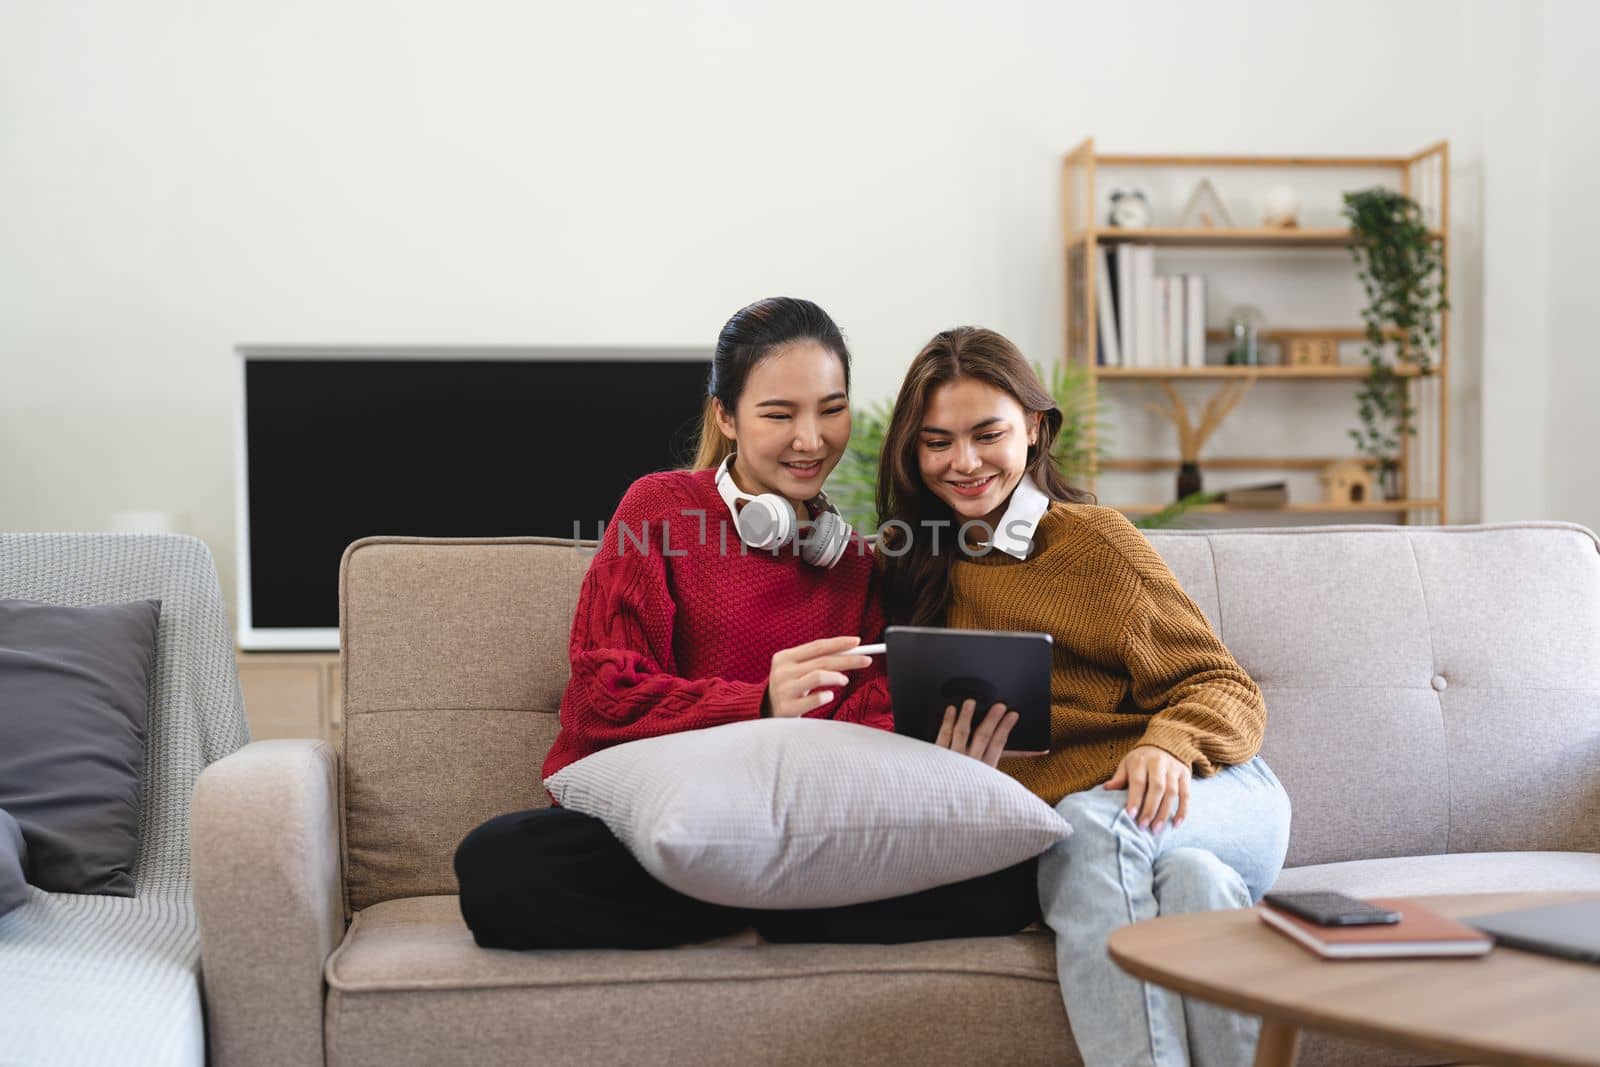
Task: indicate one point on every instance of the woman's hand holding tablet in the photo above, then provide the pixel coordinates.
(986, 743)
(936, 674)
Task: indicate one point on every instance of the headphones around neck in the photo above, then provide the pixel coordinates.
(768, 522)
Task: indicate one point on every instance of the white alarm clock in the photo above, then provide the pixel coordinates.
(1130, 209)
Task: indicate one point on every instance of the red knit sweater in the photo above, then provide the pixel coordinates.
(677, 622)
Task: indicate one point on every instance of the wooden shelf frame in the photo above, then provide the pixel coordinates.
(1310, 162)
(1378, 507)
(1221, 463)
(1424, 176)
(1344, 372)
(1236, 237)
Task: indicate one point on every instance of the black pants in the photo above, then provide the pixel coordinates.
(553, 878)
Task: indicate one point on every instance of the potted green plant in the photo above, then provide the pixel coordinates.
(1400, 264)
(853, 485)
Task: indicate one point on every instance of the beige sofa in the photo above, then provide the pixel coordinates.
(1434, 699)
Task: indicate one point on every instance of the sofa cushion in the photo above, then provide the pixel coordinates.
(408, 983)
(1459, 872)
(409, 980)
(455, 657)
(74, 696)
(1397, 661)
(806, 813)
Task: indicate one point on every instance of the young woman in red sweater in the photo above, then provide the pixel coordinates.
(682, 625)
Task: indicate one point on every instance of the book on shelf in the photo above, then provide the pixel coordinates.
(1124, 286)
(1159, 311)
(1172, 347)
(1265, 495)
(1159, 314)
(1146, 315)
(1106, 309)
(1143, 320)
(1194, 313)
(1420, 932)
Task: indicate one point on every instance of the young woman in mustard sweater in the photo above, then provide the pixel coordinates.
(1155, 728)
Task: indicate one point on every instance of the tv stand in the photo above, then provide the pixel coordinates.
(292, 694)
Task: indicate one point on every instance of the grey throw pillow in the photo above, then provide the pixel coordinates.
(74, 689)
(13, 857)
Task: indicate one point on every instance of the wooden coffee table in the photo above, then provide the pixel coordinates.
(1509, 1007)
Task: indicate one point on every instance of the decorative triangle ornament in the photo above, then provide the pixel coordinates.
(1204, 211)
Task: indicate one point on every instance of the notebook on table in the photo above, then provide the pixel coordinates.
(1420, 932)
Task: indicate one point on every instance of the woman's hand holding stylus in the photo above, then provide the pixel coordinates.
(803, 678)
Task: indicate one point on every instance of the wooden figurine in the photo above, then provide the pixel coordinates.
(1346, 482)
(1311, 351)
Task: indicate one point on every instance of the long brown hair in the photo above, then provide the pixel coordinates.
(917, 578)
(751, 335)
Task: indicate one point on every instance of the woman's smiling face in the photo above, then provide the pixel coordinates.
(972, 447)
(792, 422)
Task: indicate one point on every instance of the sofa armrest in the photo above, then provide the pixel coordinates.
(268, 895)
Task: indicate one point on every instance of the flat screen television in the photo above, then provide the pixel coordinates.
(336, 444)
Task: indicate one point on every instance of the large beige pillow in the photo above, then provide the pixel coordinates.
(805, 813)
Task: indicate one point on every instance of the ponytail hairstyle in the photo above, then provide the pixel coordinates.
(753, 334)
(916, 578)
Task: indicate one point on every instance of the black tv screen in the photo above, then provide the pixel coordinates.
(340, 449)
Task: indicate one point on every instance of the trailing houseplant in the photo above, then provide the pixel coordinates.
(1400, 264)
(1077, 450)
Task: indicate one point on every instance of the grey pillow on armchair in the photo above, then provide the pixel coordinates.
(74, 694)
(13, 856)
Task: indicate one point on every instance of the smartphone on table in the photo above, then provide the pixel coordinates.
(1332, 909)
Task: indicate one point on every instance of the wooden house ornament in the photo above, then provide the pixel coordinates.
(1311, 351)
(1346, 482)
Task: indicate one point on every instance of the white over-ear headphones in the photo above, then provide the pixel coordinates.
(768, 522)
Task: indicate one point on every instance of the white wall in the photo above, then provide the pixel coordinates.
(179, 178)
(1542, 243)
(1572, 90)
(1516, 274)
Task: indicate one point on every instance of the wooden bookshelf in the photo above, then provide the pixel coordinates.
(1221, 463)
(1173, 237)
(1316, 162)
(1263, 372)
(1424, 176)
(1370, 508)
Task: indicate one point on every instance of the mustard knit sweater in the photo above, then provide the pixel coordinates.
(1134, 659)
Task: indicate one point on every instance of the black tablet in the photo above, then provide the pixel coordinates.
(931, 668)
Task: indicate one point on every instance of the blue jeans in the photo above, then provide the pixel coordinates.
(1109, 872)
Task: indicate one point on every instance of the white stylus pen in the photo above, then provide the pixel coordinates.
(870, 650)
